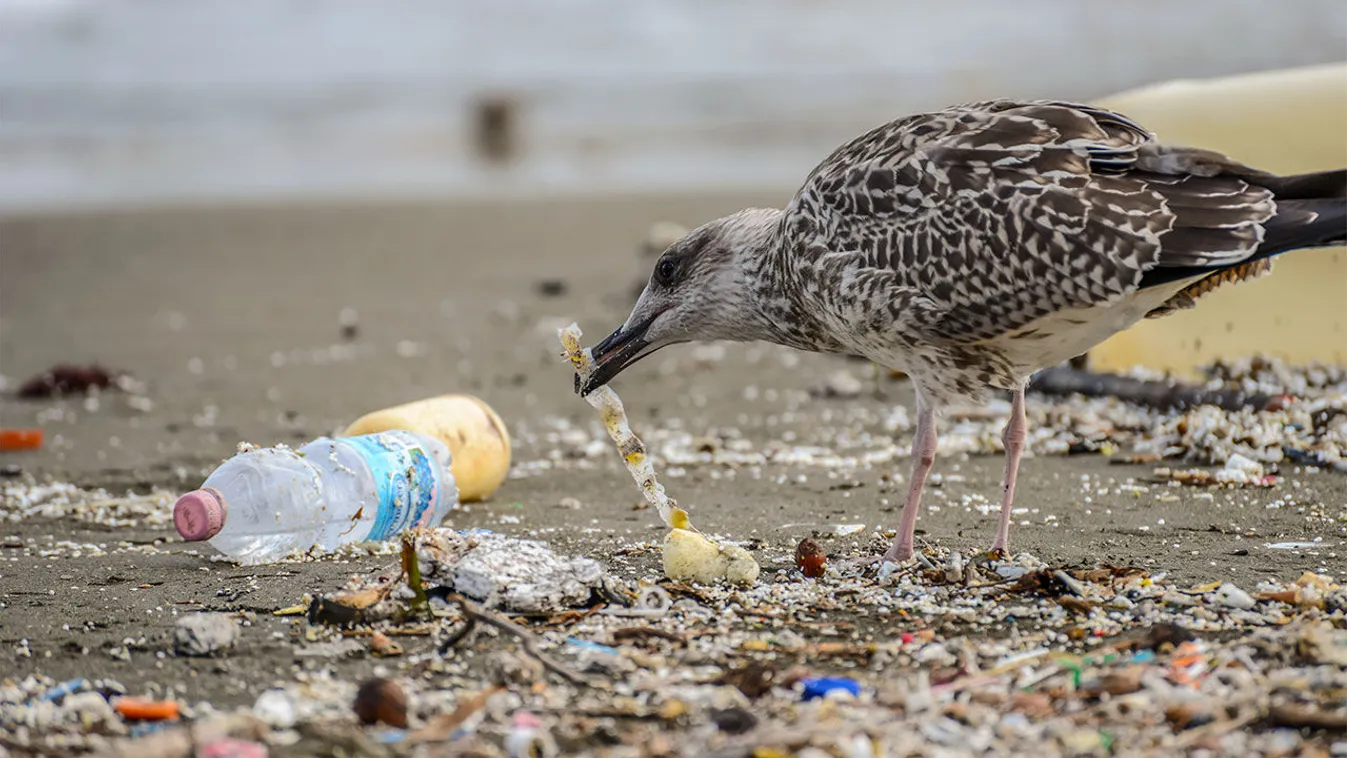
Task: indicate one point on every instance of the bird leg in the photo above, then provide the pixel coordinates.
(923, 455)
(1013, 436)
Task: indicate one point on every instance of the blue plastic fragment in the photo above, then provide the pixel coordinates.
(390, 736)
(818, 687)
(1143, 655)
(62, 689)
(587, 645)
(140, 730)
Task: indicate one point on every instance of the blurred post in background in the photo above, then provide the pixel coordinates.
(157, 101)
(124, 104)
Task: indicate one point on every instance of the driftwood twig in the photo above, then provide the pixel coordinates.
(474, 614)
(1164, 395)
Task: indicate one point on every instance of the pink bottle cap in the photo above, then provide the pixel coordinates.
(200, 514)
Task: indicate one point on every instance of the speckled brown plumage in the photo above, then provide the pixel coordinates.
(950, 236)
(972, 246)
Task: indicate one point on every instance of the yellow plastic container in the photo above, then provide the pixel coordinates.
(476, 437)
(1288, 122)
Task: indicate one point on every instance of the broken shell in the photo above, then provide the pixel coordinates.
(688, 556)
(380, 644)
(842, 384)
(1231, 596)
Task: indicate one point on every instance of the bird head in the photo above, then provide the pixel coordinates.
(700, 289)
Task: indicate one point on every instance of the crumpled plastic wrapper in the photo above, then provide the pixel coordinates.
(505, 573)
(517, 575)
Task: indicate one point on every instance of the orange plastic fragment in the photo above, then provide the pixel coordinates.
(20, 439)
(1187, 665)
(142, 709)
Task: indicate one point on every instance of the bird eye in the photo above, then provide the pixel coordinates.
(664, 272)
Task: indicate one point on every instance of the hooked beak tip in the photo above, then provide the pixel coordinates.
(614, 353)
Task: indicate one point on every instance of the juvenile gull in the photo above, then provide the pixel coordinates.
(973, 246)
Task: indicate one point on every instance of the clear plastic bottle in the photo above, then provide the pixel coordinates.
(266, 503)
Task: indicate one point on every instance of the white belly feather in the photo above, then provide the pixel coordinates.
(1064, 335)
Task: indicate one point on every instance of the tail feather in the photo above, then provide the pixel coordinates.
(1321, 185)
(1303, 223)
(1311, 212)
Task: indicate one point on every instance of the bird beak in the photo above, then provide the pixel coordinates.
(616, 352)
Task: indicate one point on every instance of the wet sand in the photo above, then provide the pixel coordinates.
(229, 317)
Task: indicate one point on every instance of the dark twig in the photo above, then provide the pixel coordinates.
(461, 633)
(1166, 395)
(1300, 716)
(647, 632)
(475, 613)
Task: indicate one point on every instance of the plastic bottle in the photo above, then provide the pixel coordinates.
(265, 503)
(474, 433)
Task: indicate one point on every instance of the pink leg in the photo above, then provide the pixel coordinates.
(923, 455)
(1014, 435)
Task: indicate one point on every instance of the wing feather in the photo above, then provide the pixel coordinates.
(991, 215)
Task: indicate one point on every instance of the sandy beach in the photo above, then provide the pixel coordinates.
(229, 317)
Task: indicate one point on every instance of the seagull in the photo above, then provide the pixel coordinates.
(973, 246)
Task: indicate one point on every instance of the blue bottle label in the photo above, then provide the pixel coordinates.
(405, 477)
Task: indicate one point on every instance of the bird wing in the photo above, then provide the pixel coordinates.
(988, 216)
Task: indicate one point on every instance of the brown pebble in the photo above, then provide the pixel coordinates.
(552, 287)
(810, 558)
(381, 701)
(946, 674)
(987, 697)
(1298, 716)
(1121, 682)
(1059, 691)
(1032, 704)
(733, 720)
(1075, 604)
(957, 711)
(1188, 715)
(381, 645)
(1161, 635)
(757, 679)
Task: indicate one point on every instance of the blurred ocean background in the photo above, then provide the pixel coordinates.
(106, 103)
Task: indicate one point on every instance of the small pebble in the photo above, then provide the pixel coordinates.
(276, 708)
(381, 701)
(200, 634)
(552, 287)
(733, 720)
(1231, 596)
(842, 384)
(349, 322)
(810, 558)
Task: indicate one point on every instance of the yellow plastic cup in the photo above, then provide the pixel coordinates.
(1286, 121)
(476, 437)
